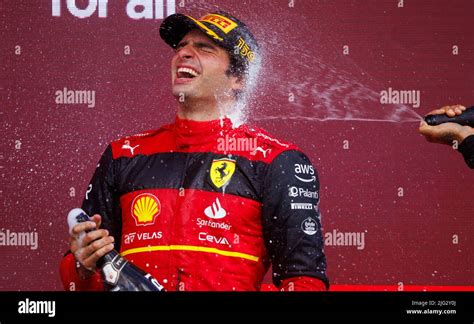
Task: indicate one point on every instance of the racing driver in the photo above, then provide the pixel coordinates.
(194, 213)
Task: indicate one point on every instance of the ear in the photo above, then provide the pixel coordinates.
(237, 83)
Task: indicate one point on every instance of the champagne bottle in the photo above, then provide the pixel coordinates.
(465, 119)
(117, 273)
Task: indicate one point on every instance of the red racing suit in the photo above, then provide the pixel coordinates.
(205, 206)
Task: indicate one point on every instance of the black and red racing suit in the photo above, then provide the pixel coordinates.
(205, 206)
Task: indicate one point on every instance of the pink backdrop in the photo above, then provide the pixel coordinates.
(411, 200)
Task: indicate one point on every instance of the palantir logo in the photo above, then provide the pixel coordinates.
(302, 192)
(293, 192)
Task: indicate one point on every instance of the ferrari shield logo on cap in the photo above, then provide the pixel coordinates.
(221, 171)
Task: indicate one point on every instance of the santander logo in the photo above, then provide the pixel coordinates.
(215, 211)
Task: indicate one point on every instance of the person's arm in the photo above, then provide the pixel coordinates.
(291, 223)
(467, 150)
(448, 133)
(78, 267)
(73, 277)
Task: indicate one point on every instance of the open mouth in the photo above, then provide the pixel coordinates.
(185, 73)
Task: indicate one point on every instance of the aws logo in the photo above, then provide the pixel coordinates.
(305, 172)
(145, 208)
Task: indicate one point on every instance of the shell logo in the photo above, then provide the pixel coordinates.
(145, 208)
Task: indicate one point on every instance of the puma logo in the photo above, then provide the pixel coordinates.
(259, 149)
(127, 146)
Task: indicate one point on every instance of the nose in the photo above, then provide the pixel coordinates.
(186, 52)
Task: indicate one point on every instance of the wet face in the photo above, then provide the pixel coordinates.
(198, 69)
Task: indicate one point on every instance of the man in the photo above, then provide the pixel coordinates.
(194, 213)
(447, 133)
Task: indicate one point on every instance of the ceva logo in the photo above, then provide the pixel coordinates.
(203, 236)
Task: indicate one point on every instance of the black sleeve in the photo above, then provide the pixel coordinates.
(467, 149)
(102, 197)
(291, 218)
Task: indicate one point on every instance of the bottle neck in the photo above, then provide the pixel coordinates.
(107, 258)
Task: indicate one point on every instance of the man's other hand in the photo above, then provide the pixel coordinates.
(446, 133)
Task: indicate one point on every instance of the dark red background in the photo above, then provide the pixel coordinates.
(408, 239)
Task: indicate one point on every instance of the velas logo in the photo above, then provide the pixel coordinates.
(145, 208)
(141, 236)
(221, 22)
(221, 171)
